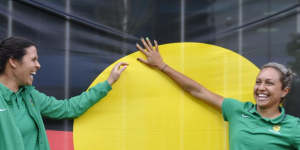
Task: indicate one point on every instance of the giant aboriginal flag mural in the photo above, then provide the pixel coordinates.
(146, 110)
(79, 42)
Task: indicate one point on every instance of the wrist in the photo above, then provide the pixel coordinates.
(110, 81)
(163, 67)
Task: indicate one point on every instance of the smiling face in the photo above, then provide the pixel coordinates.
(26, 68)
(268, 89)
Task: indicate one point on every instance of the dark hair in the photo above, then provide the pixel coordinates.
(13, 47)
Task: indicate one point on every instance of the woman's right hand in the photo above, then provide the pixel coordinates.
(152, 54)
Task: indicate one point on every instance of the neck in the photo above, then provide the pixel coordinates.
(9, 82)
(272, 112)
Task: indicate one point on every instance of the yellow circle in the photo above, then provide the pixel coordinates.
(147, 111)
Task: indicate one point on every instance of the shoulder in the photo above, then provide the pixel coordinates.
(293, 120)
(232, 107)
(234, 103)
(29, 88)
(293, 123)
(34, 93)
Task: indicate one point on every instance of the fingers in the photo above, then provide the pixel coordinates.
(122, 64)
(116, 72)
(119, 68)
(123, 68)
(142, 60)
(156, 45)
(149, 43)
(142, 50)
(146, 45)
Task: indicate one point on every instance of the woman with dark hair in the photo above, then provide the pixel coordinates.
(263, 125)
(22, 106)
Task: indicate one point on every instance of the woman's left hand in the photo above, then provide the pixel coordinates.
(116, 72)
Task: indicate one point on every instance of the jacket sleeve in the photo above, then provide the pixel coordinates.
(230, 107)
(69, 108)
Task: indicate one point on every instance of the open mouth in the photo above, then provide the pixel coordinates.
(32, 74)
(262, 97)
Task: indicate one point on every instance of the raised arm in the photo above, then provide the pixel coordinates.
(75, 106)
(195, 89)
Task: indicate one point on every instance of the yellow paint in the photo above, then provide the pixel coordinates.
(147, 111)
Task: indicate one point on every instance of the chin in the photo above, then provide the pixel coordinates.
(262, 105)
(29, 83)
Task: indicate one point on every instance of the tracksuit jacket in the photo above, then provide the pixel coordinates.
(39, 105)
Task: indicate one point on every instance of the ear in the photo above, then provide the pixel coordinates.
(285, 91)
(12, 62)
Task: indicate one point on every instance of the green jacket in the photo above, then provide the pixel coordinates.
(38, 105)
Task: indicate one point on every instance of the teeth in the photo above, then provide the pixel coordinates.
(32, 74)
(262, 95)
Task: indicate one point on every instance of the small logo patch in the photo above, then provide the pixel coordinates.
(245, 116)
(276, 128)
(3, 109)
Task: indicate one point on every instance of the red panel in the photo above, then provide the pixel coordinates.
(60, 140)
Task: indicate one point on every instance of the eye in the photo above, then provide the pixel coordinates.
(34, 59)
(269, 83)
(258, 82)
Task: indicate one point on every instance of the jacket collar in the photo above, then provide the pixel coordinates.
(7, 93)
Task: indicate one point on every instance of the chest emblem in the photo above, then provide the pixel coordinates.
(276, 128)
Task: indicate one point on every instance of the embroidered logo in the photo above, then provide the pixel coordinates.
(245, 116)
(276, 128)
(3, 109)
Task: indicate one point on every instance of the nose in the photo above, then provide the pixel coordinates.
(261, 86)
(38, 65)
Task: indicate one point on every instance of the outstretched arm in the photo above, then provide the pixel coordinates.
(195, 89)
(75, 106)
